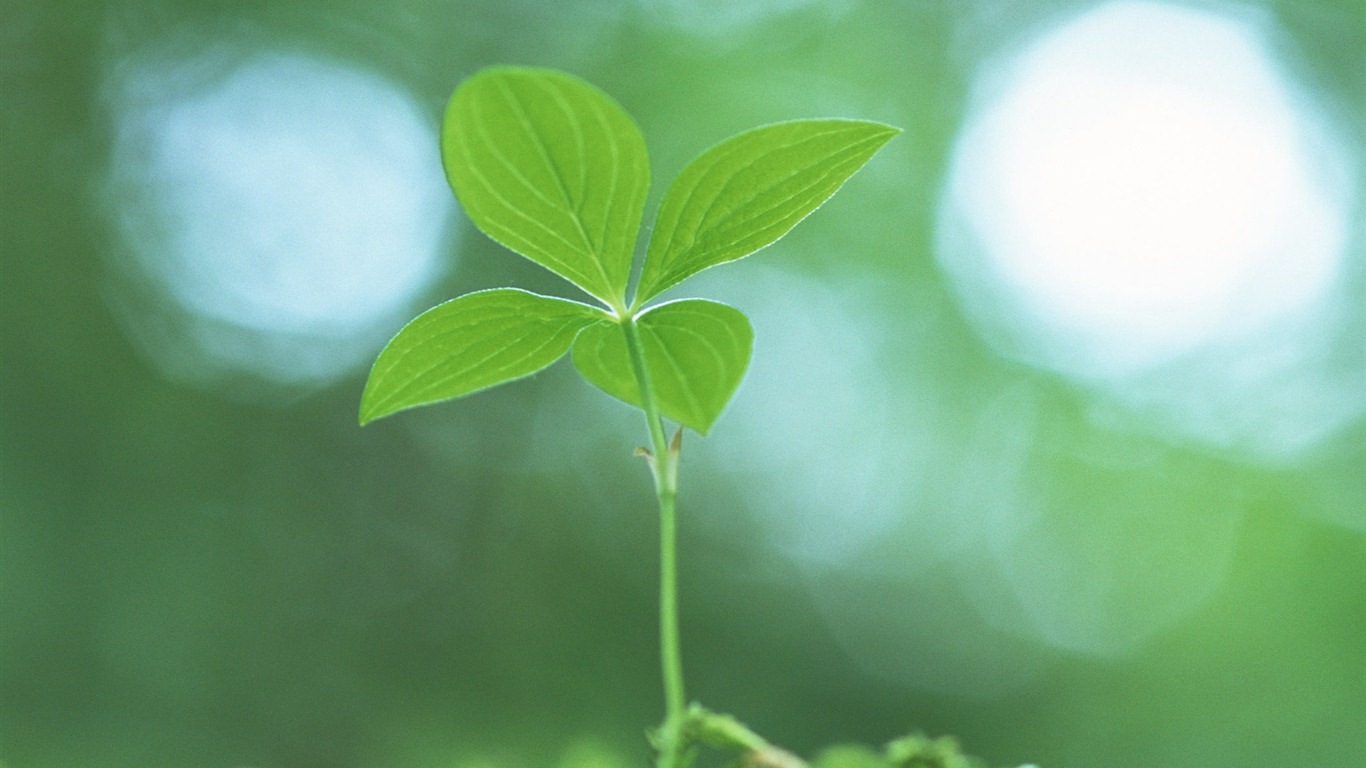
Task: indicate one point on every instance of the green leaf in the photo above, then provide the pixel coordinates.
(552, 168)
(471, 343)
(750, 190)
(850, 756)
(696, 352)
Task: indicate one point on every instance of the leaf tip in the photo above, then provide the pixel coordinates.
(368, 412)
(370, 409)
(886, 131)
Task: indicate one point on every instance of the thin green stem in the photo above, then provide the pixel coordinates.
(664, 465)
(660, 444)
(670, 657)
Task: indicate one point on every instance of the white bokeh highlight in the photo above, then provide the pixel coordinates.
(1143, 189)
(283, 212)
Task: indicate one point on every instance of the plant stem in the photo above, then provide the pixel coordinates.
(664, 465)
(670, 657)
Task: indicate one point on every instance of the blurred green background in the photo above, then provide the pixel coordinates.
(1075, 515)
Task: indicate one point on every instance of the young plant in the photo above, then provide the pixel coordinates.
(554, 169)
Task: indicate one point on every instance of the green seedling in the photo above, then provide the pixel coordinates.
(554, 169)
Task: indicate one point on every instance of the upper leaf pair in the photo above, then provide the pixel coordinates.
(555, 170)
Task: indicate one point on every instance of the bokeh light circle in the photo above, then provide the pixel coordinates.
(277, 214)
(1142, 190)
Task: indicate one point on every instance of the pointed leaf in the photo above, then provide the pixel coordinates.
(750, 190)
(696, 352)
(471, 343)
(552, 168)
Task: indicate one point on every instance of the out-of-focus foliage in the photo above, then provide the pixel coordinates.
(984, 529)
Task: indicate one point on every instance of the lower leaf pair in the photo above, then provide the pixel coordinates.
(696, 352)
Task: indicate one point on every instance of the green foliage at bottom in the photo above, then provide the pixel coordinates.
(914, 751)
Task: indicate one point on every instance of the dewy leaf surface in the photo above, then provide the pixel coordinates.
(552, 168)
(471, 343)
(750, 190)
(696, 352)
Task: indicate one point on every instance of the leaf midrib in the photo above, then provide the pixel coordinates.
(574, 207)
